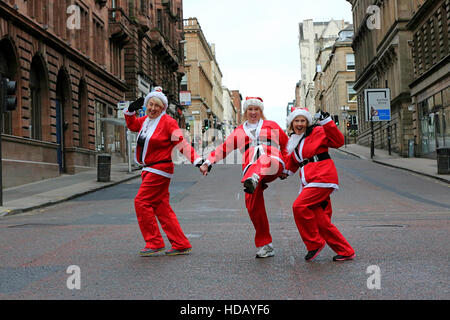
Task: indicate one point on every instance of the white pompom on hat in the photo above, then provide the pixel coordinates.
(253, 101)
(158, 93)
(299, 112)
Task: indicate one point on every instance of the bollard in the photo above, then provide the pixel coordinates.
(443, 160)
(103, 168)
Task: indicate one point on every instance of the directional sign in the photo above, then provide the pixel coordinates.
(185, 98)
(378, 104)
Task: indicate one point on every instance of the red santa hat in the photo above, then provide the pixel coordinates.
(253, 101)
(299, 112)
(157, 93)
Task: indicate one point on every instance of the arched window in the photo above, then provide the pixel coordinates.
(39, 100)
(8, 69)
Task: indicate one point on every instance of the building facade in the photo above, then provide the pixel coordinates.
(217, 98)
(430, 88)
(335, 82)
(237, 102)
(198, 80)
(229, 113)
(383, 60)
(313, 36)
(73, 61)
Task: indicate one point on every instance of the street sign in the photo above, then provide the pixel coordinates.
(377, 103)
(185, 98)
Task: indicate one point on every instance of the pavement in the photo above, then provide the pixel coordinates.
(47, 192)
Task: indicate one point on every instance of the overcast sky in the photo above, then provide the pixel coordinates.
(257, 43)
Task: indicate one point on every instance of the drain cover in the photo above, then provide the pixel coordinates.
(193, 235)
(32, 225)
(384, 226)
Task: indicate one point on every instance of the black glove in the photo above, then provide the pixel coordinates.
(136, 105)
(323, 115)
(198, 165)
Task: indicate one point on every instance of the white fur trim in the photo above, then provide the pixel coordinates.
(128, 113)
(159, 172)
(253, 102)
(279, 160)
(197, 161)
(289, 172)
(207, 162)
(321, 185)
(293, 142)
(325, 121)
(258, 129)
(147, 139)
(299, 112)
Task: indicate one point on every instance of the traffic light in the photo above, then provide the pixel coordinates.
(206, 124)
(336, 119)
(188, 126)
(8, 95)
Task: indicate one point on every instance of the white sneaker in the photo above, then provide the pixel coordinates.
(265, 251)
(251, 183)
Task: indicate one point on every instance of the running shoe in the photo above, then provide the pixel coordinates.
(343, 258)
(147, 252)
(174, 252)
(265, 251)
(251, 183)
(314, 253)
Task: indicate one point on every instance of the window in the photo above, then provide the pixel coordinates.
(351, 93)
(83, 115)
(159, 20)
(143, 7)
(100, 112)
(116, 58)
(36, 100)
(350, 59)
(99, 52)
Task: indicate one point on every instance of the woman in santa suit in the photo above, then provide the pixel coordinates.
(263, 146)
(158, 135)
(308, 150)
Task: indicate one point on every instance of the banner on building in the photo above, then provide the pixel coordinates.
(185, 98)
(377, 104)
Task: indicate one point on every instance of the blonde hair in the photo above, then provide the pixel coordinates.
(290, 129)
(244, 116)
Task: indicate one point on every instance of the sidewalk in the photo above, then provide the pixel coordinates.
(51, 191)
(423, 166)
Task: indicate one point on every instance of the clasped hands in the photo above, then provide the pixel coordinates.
(204, 167)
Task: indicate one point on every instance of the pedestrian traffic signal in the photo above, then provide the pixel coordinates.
(336, 119)
(8, 95)
(206, 124)
(188, 126)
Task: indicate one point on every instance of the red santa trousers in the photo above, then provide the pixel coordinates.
(312, 214)
(151, 203)
(268, 170)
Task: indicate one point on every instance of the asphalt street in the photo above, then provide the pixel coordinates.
(397, 222)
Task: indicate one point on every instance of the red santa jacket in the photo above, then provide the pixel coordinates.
(269, 139)
(163, 135)
(322, 174)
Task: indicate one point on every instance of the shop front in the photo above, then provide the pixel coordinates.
(434, 121)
